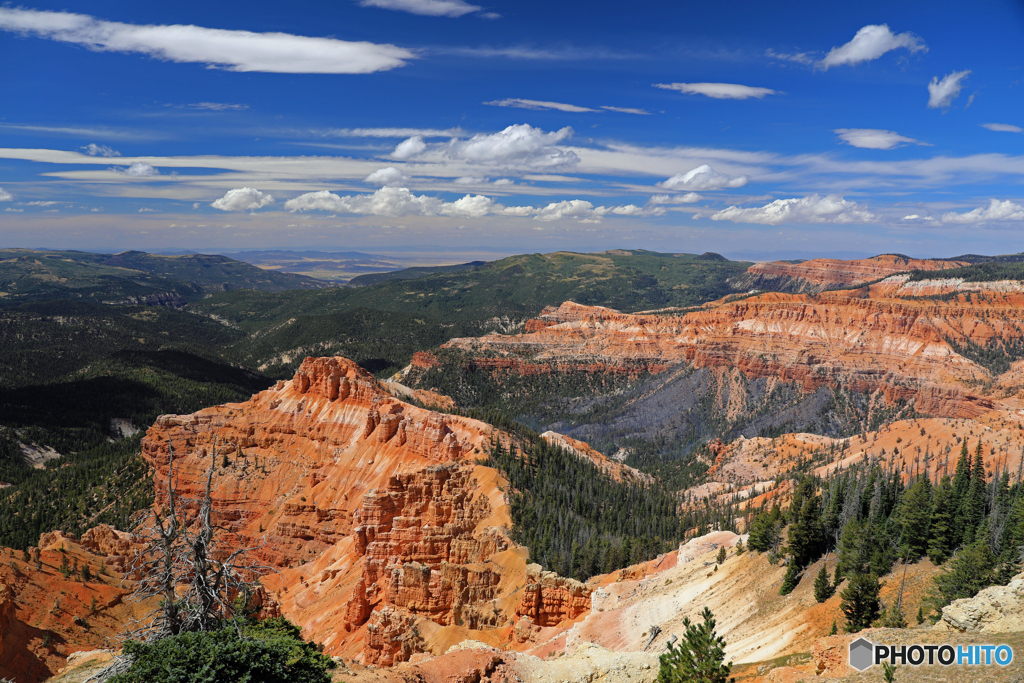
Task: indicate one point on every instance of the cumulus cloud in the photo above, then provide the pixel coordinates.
(1003, 127)
(12, 210)
(519, 145)
(917, 217)
(810, 209)
(386, 176)
(430, 8)
(871, 42)
(719, 91)
(139, 170)
(219, 48)
(942, 93)
(538, 104)
(243, 199)
(394, 202)
(688, 198)
(995, 211)
(702, 178)
(410, 148)
(94, 150)
(873, 138)
(5, 196)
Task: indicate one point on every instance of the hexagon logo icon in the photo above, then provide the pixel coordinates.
(861, 654)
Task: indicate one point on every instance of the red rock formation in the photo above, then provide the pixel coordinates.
(374, 511)
(549, 599)
(895, 345)
(817, 275)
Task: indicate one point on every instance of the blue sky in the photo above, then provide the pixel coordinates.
(748, 128)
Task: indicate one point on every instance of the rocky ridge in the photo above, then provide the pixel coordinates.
(817, 275)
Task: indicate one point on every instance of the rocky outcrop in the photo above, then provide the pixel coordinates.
(373, 510)
(997, 609)
(817, 275)
(549, 599)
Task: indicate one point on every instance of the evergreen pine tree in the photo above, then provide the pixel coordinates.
(823, 588)
(974, 505)
(860, 602)
(970, 570)
(915, 518)
(943, 534)
(790, 580)
(699, 657)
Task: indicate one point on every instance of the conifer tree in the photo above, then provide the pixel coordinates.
(974, 505)
(699, 656)
(823, 588)
(943, 533)
(790, 580)
(915, 517)
(860, 602)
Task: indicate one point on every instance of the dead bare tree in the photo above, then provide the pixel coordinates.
(191, 577)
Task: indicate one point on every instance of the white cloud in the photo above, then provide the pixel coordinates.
(810, 209)
(394, 202)
(94, 150)
(217, 106)
(538, 104)
(798, 57)
(5, 196)
(386, 176)
(243, 199)
(475, 180)
(14, 210)
(688, 198)
(504, 181)
(628, 110)
(139, 170)
(430, 8)
(873, 138)
(702, 178)
(916, 217)
(719, 91)
(995, 211)
(195, 205)
(1003, 127)
(220, 48)
(942, 93)
(475, 206)
(407, 149)
(871, 42)
(520, 146)
(37, 203)
(572, 208)
(147, 210)
(385, 132)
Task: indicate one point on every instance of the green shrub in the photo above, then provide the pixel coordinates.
(700, 656)
(269, 651)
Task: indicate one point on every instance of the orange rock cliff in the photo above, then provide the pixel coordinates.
(387, 537)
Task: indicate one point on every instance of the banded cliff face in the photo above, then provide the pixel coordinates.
(817, 275)
(896, 345)
(386, 536)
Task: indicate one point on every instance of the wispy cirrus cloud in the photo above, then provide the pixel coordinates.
(942, 93)
(719, 91)
(217, 48)
(217, 106)
(538, 105)
(1003, 127)
(430, 8)
(805, 58)
(874, 138)
(871, 42)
